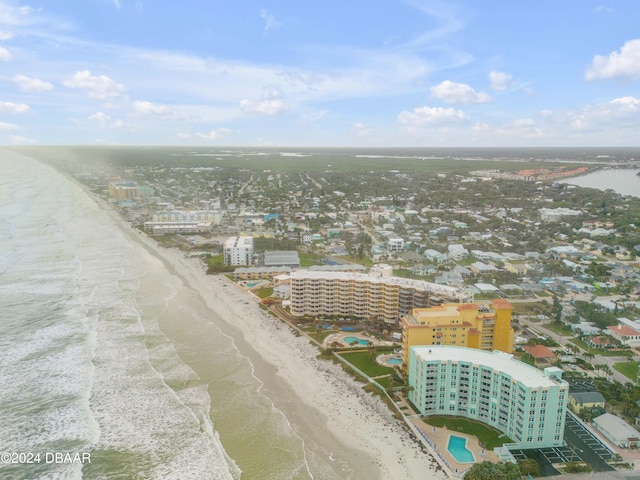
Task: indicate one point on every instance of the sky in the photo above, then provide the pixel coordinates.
(375, 73)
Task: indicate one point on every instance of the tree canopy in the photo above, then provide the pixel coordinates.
(493, 471)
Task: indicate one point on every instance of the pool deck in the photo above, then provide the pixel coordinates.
(340, 336)
(439, 439)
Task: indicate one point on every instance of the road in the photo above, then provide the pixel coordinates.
(564, 340)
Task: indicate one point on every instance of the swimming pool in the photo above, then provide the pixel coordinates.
(350, 340)
(394, 361)
(458, 448)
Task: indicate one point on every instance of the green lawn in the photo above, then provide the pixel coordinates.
(215, 260)
(309, 260)
(579, 343)
(489, 437)
(264, 292)
(560, 329)
(611, 352)
(628, 369)
(384, 381)
(321, 335)
(362, 361)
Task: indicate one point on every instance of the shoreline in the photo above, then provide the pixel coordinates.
(323, 401)
(326, 407)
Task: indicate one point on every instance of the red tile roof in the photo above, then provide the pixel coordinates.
(501, 303)
(539, 351)
(623, 331)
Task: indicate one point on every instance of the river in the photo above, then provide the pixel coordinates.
(622, 181)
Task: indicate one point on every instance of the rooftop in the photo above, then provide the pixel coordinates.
(496, 360)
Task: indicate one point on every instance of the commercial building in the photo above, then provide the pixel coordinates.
(365, 295)
(526, 404)
(238, 251)
(480, 325)
(619, 432)
(280, 258)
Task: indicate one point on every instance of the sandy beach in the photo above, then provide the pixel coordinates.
(324, 404)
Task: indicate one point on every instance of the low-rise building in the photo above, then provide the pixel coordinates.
(624, 334)
(540, 353)
(260, 273)
(617, 431)
(395, 244)
(281, 258)
(579, 401)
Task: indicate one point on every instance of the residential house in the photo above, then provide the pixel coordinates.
(434, 256)
(579, 401)
(541, 354)
(626, 335)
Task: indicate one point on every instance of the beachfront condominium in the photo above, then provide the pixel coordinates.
(526, 404)
(120, 190)
(238, 251)
(481, 325)
(362, 295)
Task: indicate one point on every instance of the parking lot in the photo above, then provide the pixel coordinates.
(581, 445)
(591, 449)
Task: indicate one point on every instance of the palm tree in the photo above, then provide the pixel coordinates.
(373, 352)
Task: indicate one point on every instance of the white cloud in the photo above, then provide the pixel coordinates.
(265, 107)
(270, 21)
(363, 130)
(5, 35)
(630, 103)
(116, 3)
(11, 15)
(106, 121)
(28, 84)
(432, 117)
(603, 8)
(500, 81)
(458, 93)
(149, 109)
(311, 117)
(216, 134)
(10, 107)
(5, 55)
(8, 126)
(97, 86)
(625, 63)
(19, 140)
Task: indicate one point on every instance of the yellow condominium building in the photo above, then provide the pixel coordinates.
(481, 325)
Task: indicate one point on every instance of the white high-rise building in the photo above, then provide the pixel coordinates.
(238, 251)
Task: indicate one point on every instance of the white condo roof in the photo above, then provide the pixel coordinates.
(498, 361)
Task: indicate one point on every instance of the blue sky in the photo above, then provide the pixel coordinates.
(320, 73)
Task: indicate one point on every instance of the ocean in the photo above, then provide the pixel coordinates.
(108, 353)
